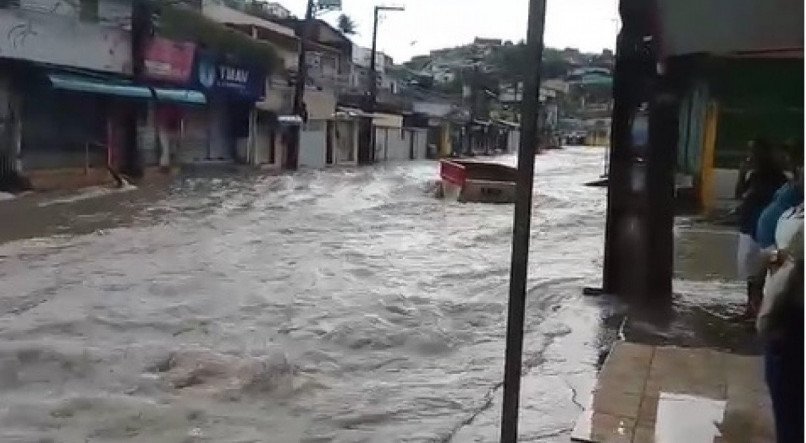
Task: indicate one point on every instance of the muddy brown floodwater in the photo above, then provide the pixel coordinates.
(338, 306)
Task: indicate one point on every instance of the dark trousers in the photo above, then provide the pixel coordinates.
(784, 373)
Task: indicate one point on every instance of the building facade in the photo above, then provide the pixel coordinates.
(47, 123)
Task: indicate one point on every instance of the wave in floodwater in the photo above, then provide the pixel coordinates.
(89, 193)
(343, 305)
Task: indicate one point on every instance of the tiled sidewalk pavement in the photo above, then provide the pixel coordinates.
(648, 394)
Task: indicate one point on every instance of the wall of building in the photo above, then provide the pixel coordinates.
(363, 56)
(433, 109)
(290, 57)
(276, 10)
(724, 189)
(723, 26)
(387, 120)
(321, 105)
(279, 98)
(757, 98)
(323, 66)
(32, 32)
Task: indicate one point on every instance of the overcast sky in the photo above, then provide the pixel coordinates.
(589, 25)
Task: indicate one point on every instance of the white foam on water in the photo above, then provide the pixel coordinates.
(89, 193)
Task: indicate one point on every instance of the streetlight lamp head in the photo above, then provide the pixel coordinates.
(390, 8)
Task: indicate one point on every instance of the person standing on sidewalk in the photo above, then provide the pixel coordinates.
(760, 176)
(780, 320)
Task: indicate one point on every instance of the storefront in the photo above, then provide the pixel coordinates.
(345, 135)
(317, 135)
(231, 88)
(171, 133)
(78, 125)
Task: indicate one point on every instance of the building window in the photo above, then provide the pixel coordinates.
(89, 10)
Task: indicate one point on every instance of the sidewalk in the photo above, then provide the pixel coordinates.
(707, 295)
(667, 394)
(85, 210)
(76, 211)
(687, 372)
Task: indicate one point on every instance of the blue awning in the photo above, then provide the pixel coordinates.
(92, 85)
(121, 88)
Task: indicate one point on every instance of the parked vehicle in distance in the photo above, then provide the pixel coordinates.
(574, 138)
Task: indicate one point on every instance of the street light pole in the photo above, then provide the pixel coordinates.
(521, 226)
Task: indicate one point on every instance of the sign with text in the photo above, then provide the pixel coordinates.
(168, 61)
(330, 4)
(230, 79)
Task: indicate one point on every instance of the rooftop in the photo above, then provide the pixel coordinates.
(227, 15)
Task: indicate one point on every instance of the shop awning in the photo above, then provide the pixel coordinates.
(92, 85)
(120, 88)
(289, 119)
(512, 125)
(187, 96)
(348, 112)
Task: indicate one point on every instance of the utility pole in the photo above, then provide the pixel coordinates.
(521, 226)
(373, 83)
(474, 100)
(299, 86)
(373, 73)
(142, 29)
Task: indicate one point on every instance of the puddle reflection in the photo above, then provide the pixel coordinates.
(688, 418)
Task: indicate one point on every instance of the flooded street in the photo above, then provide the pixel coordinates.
(346, 305)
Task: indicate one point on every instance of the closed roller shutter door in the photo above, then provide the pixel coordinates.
(194, 143)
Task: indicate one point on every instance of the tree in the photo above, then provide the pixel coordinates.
(188, 25)
(514, 63)
(453, 87)
(346, 25)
